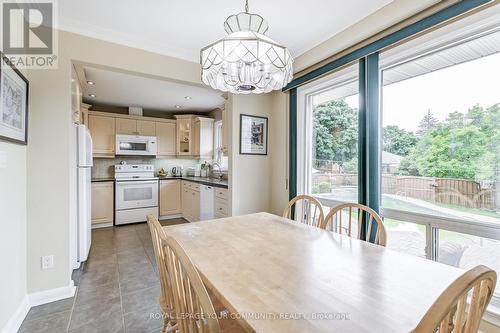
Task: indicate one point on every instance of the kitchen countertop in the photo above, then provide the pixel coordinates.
(202, 180)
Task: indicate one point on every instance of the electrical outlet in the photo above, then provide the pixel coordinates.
(47, 262)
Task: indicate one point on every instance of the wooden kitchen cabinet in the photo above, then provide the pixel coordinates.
(221, 202)
(146, 128)
(165, 139)
(203, 137)
(225, 129)
(190, 201)
(126, 126)
(184, 135)
(135, 127)
(170, 197)
(102, 210)
(102, 131)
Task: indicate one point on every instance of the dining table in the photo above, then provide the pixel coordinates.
(277, 275)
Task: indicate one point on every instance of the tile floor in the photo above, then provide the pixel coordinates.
(117, 288)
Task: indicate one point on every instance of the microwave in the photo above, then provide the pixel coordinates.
(135, 145)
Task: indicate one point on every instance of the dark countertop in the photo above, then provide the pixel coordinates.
(98, 180)
(202, 180)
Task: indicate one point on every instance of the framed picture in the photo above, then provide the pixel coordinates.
(13, 103)
(253, 135)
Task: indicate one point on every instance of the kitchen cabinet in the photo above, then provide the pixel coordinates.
(221, 203)
(146, 127)
(102, 131)
(225, 128)
(191, 201)
(135, 127)
(170, 197)
(102, 209)
(203, 137)
(165, 139)
(184, 144)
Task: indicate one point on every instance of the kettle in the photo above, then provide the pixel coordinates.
(177, 171)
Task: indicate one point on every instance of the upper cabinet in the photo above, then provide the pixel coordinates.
(102, 131)
(165, 139)
(184, 135)
(203, 137)
(135, 127)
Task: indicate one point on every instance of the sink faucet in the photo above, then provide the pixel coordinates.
(221, 175)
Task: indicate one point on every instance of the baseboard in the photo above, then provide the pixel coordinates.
(170, 217)
(17, 318)
(102, 225)
(52, 295)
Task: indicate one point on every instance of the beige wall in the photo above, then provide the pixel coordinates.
(50, 163)
(250, 175)
(13, 229)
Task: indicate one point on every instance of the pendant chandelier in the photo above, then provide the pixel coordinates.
(246, 61)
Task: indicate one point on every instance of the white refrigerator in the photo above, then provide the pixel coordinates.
(84, 164)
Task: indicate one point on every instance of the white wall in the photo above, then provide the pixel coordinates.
(13, 229)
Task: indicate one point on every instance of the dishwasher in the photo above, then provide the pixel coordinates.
(207, 203)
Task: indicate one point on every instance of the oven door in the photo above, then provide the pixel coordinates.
(136, 194)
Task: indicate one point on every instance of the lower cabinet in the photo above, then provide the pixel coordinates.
(221, 202)
(170, 197)
(190, 201)
(102, 211)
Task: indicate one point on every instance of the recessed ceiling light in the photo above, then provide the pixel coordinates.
(188, 97)
(177, 106)
(90, 83)
(92, 95)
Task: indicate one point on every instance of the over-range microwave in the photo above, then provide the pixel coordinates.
(135, 145)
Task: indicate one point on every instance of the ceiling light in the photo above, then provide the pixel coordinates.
(177, 106)
(188, 97)
(92, 95)
(90, 83)
(246, 61)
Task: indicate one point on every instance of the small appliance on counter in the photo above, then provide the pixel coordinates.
(162, 173)
(177, 171)
(136, 193)
(190, 172)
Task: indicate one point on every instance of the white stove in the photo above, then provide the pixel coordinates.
(136, 194)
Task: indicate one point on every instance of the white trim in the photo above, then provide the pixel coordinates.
(102, 225)
(52, 295)
(15, 321)
(170, 217)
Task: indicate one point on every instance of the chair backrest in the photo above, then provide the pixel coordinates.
(157, 234)
(460, 307)
(308, 210)
(194, 310)
(347, 219)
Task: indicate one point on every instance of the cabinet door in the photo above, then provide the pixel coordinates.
(206, 138)
(126, 126)
(146, 127)
(225, 128)
(184, 137)
(102, 131)
(165, 139)
(185, 201)
(170, 197)
(195, 205)
(102, 203)
(196, 138)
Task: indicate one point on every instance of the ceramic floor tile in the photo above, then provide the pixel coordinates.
(44, 310)
(141, 299)
(105, 311)
(144, 321)
(53, 323)
(98, 294)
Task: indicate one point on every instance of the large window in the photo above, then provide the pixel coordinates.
(440, 158)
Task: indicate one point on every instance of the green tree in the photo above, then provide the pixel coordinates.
(335, 131)
(398, 141)
(426, 124)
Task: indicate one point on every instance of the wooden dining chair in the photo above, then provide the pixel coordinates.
(194, 310)
(460, 307)
(308, 210)
(352, 227)
(166, 296)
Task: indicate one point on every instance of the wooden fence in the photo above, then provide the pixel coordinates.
(460, 192)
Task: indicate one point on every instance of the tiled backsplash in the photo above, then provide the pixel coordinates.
(104, 167)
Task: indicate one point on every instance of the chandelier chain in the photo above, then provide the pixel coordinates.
(246, 6)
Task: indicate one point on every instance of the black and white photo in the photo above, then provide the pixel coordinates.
(253, 135)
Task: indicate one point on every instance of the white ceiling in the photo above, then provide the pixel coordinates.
(120, 89)
(180, 28)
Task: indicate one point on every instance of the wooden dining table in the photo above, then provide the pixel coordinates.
(278, 275)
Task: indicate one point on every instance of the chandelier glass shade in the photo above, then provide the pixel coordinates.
(246, 61)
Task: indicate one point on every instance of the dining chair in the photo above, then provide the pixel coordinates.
(308, 210)
(193, 308)
(166, 296)
(460, 307)
(351, 227)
